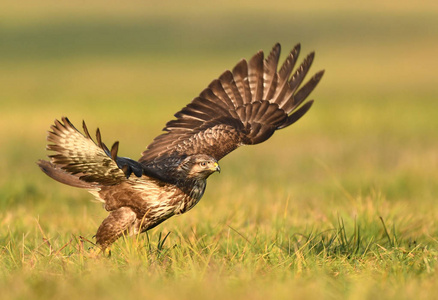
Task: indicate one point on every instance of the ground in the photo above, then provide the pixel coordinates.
(343, 204)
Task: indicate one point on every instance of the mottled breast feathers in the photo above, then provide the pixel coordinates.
(244, 106)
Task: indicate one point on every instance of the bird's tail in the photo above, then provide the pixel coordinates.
(62, 176)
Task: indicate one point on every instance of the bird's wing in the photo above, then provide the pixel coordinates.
(243, 106)
(79, 159)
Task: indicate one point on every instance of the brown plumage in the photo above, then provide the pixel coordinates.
(244, 106)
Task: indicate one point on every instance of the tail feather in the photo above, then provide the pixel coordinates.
(62, 176)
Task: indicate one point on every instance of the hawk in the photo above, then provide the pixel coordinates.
(244, 106)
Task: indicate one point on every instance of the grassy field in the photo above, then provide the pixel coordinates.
(341, 205)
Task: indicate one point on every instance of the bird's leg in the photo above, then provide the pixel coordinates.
(117, 222)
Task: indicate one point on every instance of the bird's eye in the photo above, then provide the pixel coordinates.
(203, 164)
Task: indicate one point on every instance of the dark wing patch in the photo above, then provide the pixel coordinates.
(79, 155)
(243, 106)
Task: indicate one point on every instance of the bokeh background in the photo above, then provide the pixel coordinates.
(128, 66)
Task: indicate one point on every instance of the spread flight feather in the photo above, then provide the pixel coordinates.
(244, 106)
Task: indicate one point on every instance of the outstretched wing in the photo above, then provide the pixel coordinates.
(243, 106)
(79, 160)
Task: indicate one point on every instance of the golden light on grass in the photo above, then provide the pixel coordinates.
(300, 216)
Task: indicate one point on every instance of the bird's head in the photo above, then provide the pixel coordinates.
(199, 166)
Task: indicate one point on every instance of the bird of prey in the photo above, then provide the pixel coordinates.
(244, 106)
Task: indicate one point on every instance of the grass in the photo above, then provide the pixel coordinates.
(341, 205)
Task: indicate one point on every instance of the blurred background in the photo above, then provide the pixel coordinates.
(128, 66)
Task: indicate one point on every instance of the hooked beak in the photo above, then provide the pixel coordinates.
(216, 167)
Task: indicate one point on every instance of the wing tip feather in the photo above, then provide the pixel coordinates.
(281, 85)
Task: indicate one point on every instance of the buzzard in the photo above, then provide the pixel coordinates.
(244, 106)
